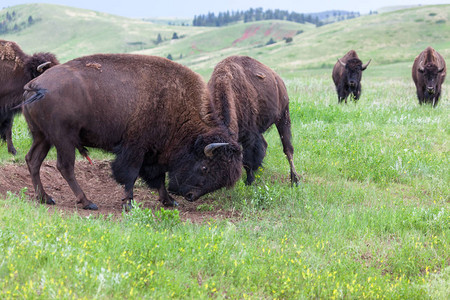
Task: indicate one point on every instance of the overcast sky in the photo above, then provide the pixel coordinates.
(189, 8)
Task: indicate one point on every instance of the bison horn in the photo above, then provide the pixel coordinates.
(211, 147)
(441, 69)
(41, 67)
(421, 68)
(365, 66)
(340, 61)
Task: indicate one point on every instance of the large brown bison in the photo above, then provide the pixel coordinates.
(347, 73)
(154, 114)
(249, 98)
(16, 69)
(428, 73)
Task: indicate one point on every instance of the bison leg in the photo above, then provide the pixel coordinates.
(164, 196)
(34, 158)
(65, 163)
(254, 150)
(6, 133)
(154, 176)
(284, 130)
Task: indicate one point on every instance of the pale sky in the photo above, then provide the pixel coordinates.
(189, 8)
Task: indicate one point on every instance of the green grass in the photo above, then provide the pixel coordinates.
(370, 219)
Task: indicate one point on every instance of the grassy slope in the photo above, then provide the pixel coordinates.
(72, 32)
(371, 218)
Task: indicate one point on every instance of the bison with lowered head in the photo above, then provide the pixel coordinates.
(154, 114)
(347, 73)
(249, 98)
(16, 69)
(428, 73)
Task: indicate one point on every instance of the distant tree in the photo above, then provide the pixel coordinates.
(169, 56)
(174, 36)
(30, 20)
(289, 39)
(159, 39)
(181, 56)
(8, 16)
(270, 42)
(16, 27)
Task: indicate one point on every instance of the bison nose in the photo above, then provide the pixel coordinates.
(430, 89)
(352, 83)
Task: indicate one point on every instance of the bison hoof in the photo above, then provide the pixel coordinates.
(170, 202)
(12, 151)
(50, 201)
(127, 206)
(91, 206)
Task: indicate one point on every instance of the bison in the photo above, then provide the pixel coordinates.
(347, 73)
(428, 73)
(154, 114)
(249, 98)
(16, 69)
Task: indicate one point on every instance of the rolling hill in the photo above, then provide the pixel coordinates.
(388, 39)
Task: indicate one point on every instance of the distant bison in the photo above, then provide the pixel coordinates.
(428, 73)
(347, 73)
(154, 114)
(250, 97)
(16, 69)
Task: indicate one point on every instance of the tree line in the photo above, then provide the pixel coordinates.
(258, 14)
(10, 22)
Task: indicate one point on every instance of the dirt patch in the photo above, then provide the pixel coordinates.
(249, 32)
(99, 186)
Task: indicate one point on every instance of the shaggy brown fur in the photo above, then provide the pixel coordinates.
(347, 73)
(16, 69)
(428, 73)
(249, 98)
(154, 114)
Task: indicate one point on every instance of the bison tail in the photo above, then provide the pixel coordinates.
(38, 95)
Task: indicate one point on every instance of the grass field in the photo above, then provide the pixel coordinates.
(371, 218)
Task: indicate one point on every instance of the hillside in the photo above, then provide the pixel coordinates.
(71, 32)
(388, 39)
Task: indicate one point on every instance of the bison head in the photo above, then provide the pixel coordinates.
(430, 76)
(353, 72)
(211, 163)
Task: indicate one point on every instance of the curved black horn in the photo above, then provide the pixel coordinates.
(340, 61)
(210, 148)
(365, 66)
(42, 66)
(441, 69)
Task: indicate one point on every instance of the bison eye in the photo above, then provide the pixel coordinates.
(204, 169)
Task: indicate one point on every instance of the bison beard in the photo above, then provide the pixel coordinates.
(160, 121)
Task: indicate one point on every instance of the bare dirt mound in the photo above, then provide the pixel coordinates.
(97, 182)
